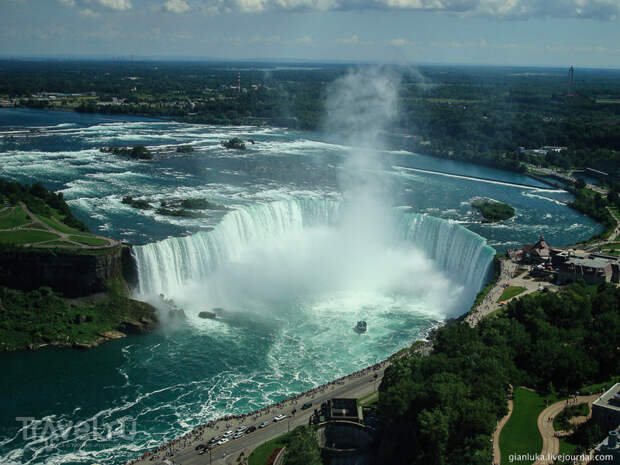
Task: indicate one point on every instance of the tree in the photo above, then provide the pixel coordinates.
(303, 448)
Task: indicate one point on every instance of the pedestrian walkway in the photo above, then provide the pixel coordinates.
(497, 456)
(551, 443)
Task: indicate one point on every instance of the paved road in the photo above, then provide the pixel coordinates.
(228, 453)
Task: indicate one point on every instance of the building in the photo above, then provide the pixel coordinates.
(606, 409)
(537, 253)
(343, 409)
(592, 270)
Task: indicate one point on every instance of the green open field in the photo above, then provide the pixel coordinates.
(12, 218)
(57, 225)
(510, 292)
(24, 236)
(520, 435)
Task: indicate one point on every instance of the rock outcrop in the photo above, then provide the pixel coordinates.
(72, 274)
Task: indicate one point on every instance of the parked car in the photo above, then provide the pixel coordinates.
(228, 433)
(278, 418)
(263, 424)
(222, 441)
(306, 406)
(251, 429)
(241, 428)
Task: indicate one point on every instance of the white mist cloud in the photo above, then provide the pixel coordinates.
(503, 9)
(117, 4)
(400, 43)
(88, 13)
(177, 6)
(353, 40)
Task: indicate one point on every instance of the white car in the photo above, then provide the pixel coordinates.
(241, 428)
(238, 435)
(222, 441)
(228, 433)
(278, 418)
(263, 424)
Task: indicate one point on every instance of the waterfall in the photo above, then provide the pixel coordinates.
(462, 253)
(165, 266)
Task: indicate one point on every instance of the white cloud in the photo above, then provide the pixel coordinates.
(400, 43)
(353, 40)
(88, 13)
(503, 9)
(177, 6)
(117, 4)
(306, 40)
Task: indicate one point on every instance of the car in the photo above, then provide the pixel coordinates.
(251, 429)
(239, 435)
(263, 424)
(228, 433)
(241, 428)
(202, 451)
(306, 406)
(200, 446)
(222, 441)
(278, 418)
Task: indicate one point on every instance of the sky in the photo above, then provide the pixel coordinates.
(583, 33)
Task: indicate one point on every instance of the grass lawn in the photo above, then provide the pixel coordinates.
(260, 455)
(510, 292)
(566, 448)
(13, 218)
(520, 435)
(594, 388)
(57, 225)
(89, 240)
(26, 236)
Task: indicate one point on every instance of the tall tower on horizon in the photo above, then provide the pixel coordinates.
(239, 82)
(571, 81)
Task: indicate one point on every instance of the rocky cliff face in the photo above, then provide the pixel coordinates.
(74, 275)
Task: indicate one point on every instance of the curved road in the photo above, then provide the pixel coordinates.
(228, 454)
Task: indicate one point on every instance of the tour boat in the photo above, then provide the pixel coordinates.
(361, 326)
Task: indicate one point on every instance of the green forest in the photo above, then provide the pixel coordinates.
(442, 408)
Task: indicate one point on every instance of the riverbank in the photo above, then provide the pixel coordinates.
(183, 449)
(33, 320)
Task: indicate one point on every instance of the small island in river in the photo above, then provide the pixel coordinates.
(493, 211)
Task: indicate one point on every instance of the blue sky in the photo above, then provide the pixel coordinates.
(505, 32)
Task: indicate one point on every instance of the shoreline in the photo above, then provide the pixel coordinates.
(198, 433)
(219, 425)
